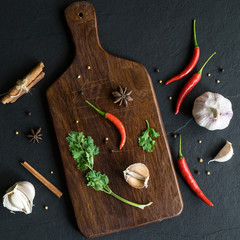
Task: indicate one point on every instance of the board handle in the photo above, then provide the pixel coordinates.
(82, 21)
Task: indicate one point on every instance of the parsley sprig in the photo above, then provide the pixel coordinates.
(146, 139)
(83, 150)
(99, 182)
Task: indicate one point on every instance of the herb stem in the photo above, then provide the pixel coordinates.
(142, 206)
(147, 124)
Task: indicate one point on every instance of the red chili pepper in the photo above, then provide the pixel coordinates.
(182, 164)
(191, 83)
(193, 61)
(115, 121)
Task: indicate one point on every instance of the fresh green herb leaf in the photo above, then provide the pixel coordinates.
(83, 150)
(99, 182)
(146, 139)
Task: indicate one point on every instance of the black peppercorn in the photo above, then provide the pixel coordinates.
(81, 93)
(221, 69)
(157, 70)
(111, 150)
(29, 114)
(197, 172)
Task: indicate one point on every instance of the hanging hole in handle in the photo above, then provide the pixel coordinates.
(80, 14)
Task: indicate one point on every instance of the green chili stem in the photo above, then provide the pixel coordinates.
(180, 148)
(201, 69)
(194, 34)
(99, 111)
(142, 206)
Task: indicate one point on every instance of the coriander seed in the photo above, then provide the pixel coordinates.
(218, 81)
(208, 173)
(51, 172)
(46, 207)
(77, 121)
(209, 74)
(175, 135)
(79, 76)
(170, 98)
(199, 141)
(200, 160)
(88, 67)
(16, 132)
(160, 81)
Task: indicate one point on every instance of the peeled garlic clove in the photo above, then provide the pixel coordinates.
(137, 175)
(20, 197)
(224, 154)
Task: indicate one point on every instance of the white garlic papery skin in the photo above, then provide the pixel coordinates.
(137, 175)
(19, 197)
(225, 154)
(212, 111)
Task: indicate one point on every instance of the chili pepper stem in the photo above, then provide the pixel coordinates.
(194, 34)
(180, 148)
(201, 69)
(99, 111)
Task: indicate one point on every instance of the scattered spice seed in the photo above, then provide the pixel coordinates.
(111, 150)
(221, 69)
(160, 81)
(208, 173)
(197, 172)
(29, 114)
(79, 76)
(77, 121)
(16, 132)
(175, 135)
(106, 139)
(218, 81)
(209, 74)
(51, 172)
(81, 93)
(88, 67)
(199, 141)
(35, 137)
(46, 207)
(170, 98)
(157, 70)
(200, 160)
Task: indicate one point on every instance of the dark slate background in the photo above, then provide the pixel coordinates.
(156, 34)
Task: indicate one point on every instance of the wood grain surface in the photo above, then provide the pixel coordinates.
(97, 213)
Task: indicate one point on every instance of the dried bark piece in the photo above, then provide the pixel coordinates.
(23, 86)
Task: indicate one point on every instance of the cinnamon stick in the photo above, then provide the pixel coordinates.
(24, 85)
(42, 179)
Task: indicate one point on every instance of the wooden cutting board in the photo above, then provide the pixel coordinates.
(97, 213)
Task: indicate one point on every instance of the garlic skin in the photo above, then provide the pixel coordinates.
(19, 197)
(225, 154)
(212, 111)
(137, 175)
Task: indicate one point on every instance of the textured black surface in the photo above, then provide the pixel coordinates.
(157, 34)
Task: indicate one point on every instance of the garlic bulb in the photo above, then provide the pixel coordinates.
(20, 197)
(212, 111)
(224, 154)
(137, 175)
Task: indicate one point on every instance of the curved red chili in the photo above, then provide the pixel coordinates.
(191, 83)
(183, 167)
(115, 121)
(193, 61)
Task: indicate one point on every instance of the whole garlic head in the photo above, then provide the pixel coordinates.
(212, 111)
(137, 175)
(20, 197)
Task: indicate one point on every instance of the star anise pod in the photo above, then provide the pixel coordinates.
(35, 136)
(122, 96)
